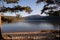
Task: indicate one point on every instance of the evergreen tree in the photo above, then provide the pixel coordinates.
(9, 9)
(52, 7)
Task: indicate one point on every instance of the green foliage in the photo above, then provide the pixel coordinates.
(16, 9)
(49, 1)
(6, 20)
(17, 16)
(28, 9)
(11, 1)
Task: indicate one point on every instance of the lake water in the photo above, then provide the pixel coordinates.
(30, 26)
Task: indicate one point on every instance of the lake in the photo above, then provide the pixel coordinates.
(23, 26)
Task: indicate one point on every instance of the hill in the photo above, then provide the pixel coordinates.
(10, 18)
(38, 17)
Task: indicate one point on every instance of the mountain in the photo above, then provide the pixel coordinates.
(34, 17)
(38, 17)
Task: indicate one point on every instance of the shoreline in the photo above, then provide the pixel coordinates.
(43, 34)
(32, 31)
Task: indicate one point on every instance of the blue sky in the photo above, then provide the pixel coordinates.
(31, 3)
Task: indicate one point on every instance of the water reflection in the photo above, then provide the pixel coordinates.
(30, 26)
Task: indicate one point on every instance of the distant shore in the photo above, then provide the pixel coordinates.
(10, 19)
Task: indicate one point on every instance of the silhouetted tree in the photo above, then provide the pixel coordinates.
(14, 9)
(52, 6)
(11, 1)
(17, 16)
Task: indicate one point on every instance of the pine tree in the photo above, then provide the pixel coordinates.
(14, 9)
(52, 7)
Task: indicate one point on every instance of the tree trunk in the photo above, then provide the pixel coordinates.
(0, 28)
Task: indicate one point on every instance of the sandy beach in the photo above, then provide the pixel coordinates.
(38, 35)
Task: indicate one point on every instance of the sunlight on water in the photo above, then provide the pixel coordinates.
(46, 26)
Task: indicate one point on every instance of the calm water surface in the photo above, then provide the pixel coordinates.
(30, 26)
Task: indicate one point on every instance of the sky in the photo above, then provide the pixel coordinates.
(31, 3)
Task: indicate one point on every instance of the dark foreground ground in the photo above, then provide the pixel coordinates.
(38, 35)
